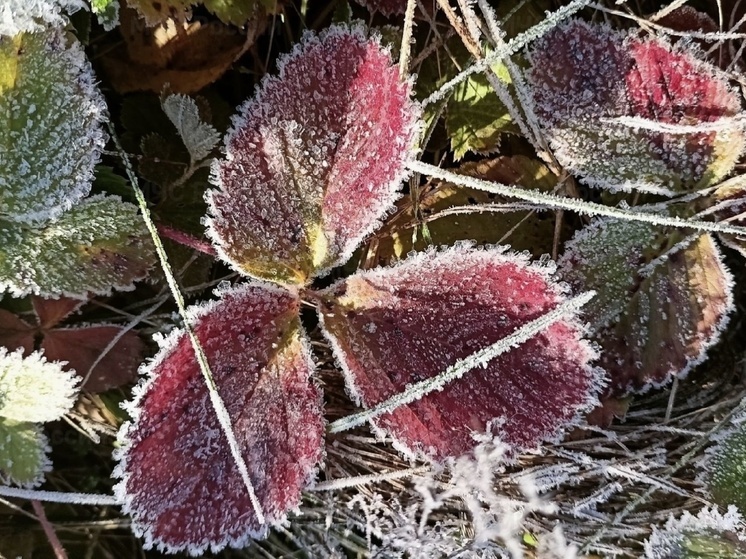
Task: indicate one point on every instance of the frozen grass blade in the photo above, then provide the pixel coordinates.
(204, 366)
(571, 204)
(59, 497)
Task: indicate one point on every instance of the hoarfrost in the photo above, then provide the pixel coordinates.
(23, 16)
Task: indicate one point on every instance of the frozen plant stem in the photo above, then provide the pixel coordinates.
(54, 541)
(572, 204)
(59, 496)
(463, 366)
(215, 399)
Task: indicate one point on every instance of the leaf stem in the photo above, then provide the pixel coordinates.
(54, 541)
(185, 239)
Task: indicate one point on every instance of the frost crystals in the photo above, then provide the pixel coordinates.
(314, 161)
(392, 327)
(665, 121)
(179, 481)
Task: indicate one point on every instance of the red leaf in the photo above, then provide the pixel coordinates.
(395, 326)
(15, 333)
(581, 72)
(81, 347)
(179, 480)
(314, 160)
(53, 311)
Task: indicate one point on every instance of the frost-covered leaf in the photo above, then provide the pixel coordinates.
(50, 125)
(22, 16)
(662, 298)
(33, 389)
(198, 137)
(392, 327)
(107, 13)
(586, 78)
(23, 453)
(179, 480)
(725, 466)
(475, 117)
(314, 160)
(708, 535)
(83, 346)
(98, 245)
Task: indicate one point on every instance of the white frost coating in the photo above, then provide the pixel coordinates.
(463, 366)
(59, 497)
(312, 163)
(572, 204)
(51, 135)
(167, 345)
(33, 389)
(666, 543)
(40, 451)
(198, 137)
(19, 16)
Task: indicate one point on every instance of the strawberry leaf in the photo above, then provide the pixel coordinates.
(51, 312)
(728, 203)
(100, 244)
(724, 466)
(50, 137)
(33, 389)
(23, 453)
(179, 480)
(314, 160)
(386, 7)
(587, 78)
(392, 327)
(662, 298)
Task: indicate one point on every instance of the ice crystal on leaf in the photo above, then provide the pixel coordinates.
(709, 534)
(50, 126)
(198, 137)
(665, 120)
(22, 16)
(179, 481)
(392, 327)
(662, 298)
(32, 391)
(315, 160)
(386, 7)
(725, 465)
(98, 245)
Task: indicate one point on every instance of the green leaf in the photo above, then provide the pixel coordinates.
(107, 12)
(33, 389)
(236, 12)
(199, 138)
(726, 468)
(475, 116)
(99, 245)
(23, 453)
(663, 298)
(50, 126)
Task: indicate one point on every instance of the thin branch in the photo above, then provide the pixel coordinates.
(54, 541)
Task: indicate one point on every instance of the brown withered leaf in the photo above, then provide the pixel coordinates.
(448, 213)
(186, 55)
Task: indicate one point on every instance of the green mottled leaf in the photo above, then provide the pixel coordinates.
(50, 133)
(99, 245)
(475, 117)
(709, 535)
(23, 453)
(33, 389)
(726, 468)
(662, 298)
